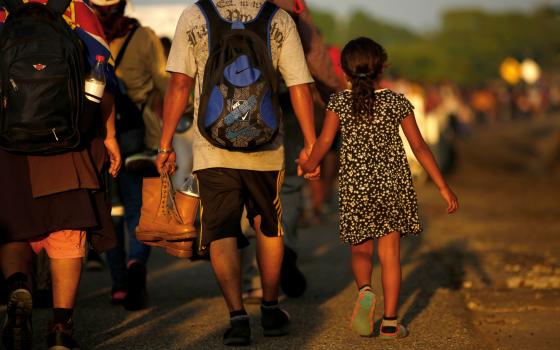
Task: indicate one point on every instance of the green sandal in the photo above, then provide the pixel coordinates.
(364, 310)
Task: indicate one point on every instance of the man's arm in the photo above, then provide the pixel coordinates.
(174, 104)
(302, 104)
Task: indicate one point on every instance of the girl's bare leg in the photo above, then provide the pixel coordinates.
(388, 250)
(362, 262)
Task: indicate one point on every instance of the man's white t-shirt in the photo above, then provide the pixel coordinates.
(189, 53)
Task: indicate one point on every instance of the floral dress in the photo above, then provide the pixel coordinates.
(376, 192)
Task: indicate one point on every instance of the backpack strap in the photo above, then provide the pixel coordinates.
(124, 47)
(58, 6)
(217, 26)
(262, 23)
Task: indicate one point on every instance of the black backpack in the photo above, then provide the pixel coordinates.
(239, 108)
(42, 79)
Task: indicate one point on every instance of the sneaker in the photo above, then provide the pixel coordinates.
(364, 311)
(292, 280)
(142, 162)
(239, 334)
(60, 337)
(400, 333)
(275, 321)
(93, 261)
(17, 331)
(136, 296)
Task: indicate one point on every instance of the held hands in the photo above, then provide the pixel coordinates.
(305, 167)
(451, 200)
(112, 147)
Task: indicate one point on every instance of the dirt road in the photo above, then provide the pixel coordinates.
(485, 278)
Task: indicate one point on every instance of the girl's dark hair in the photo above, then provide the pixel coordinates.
(362, 60)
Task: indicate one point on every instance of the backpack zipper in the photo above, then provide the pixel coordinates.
(54, 133)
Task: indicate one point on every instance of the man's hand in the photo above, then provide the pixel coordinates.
(112, 147)
(308, 173)
(165, 162)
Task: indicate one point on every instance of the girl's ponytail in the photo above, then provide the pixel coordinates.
(363, 60)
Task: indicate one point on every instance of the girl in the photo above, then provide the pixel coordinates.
(377, 198)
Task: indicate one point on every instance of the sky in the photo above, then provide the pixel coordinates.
(417, 15)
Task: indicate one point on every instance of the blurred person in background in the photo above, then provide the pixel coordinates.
(54, 200)
(140, 69)
(485, 105)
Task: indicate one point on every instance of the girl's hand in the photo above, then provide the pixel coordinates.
(451, 200)
(165, 162)
(112, 147)
(304, 166)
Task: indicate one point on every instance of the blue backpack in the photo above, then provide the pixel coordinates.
(239, 109)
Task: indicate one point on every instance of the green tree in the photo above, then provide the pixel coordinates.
(468, 48)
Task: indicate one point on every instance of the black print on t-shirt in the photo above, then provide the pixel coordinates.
(196, 34)
(236, 15)
(200, 32)
(246, 3)
(276, 34)
(224, 3)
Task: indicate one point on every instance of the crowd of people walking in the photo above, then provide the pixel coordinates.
(257, 79)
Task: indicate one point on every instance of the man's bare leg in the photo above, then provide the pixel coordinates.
(270, 251)
(226, 264)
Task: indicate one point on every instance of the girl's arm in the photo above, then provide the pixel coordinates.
(323, 143)
(426, 158)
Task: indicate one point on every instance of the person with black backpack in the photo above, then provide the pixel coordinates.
(57, 136)
(140, 70)
(230, 53)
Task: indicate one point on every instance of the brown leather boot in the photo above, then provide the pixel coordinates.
(157, 221)
(187, 206)
(180, 249)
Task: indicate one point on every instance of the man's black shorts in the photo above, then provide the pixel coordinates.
(223, 194)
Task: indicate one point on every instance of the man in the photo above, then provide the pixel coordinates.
(229, 180)
(51, 201)
(141, 70)
(327, 81)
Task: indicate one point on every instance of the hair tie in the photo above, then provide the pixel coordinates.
(362, 75)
